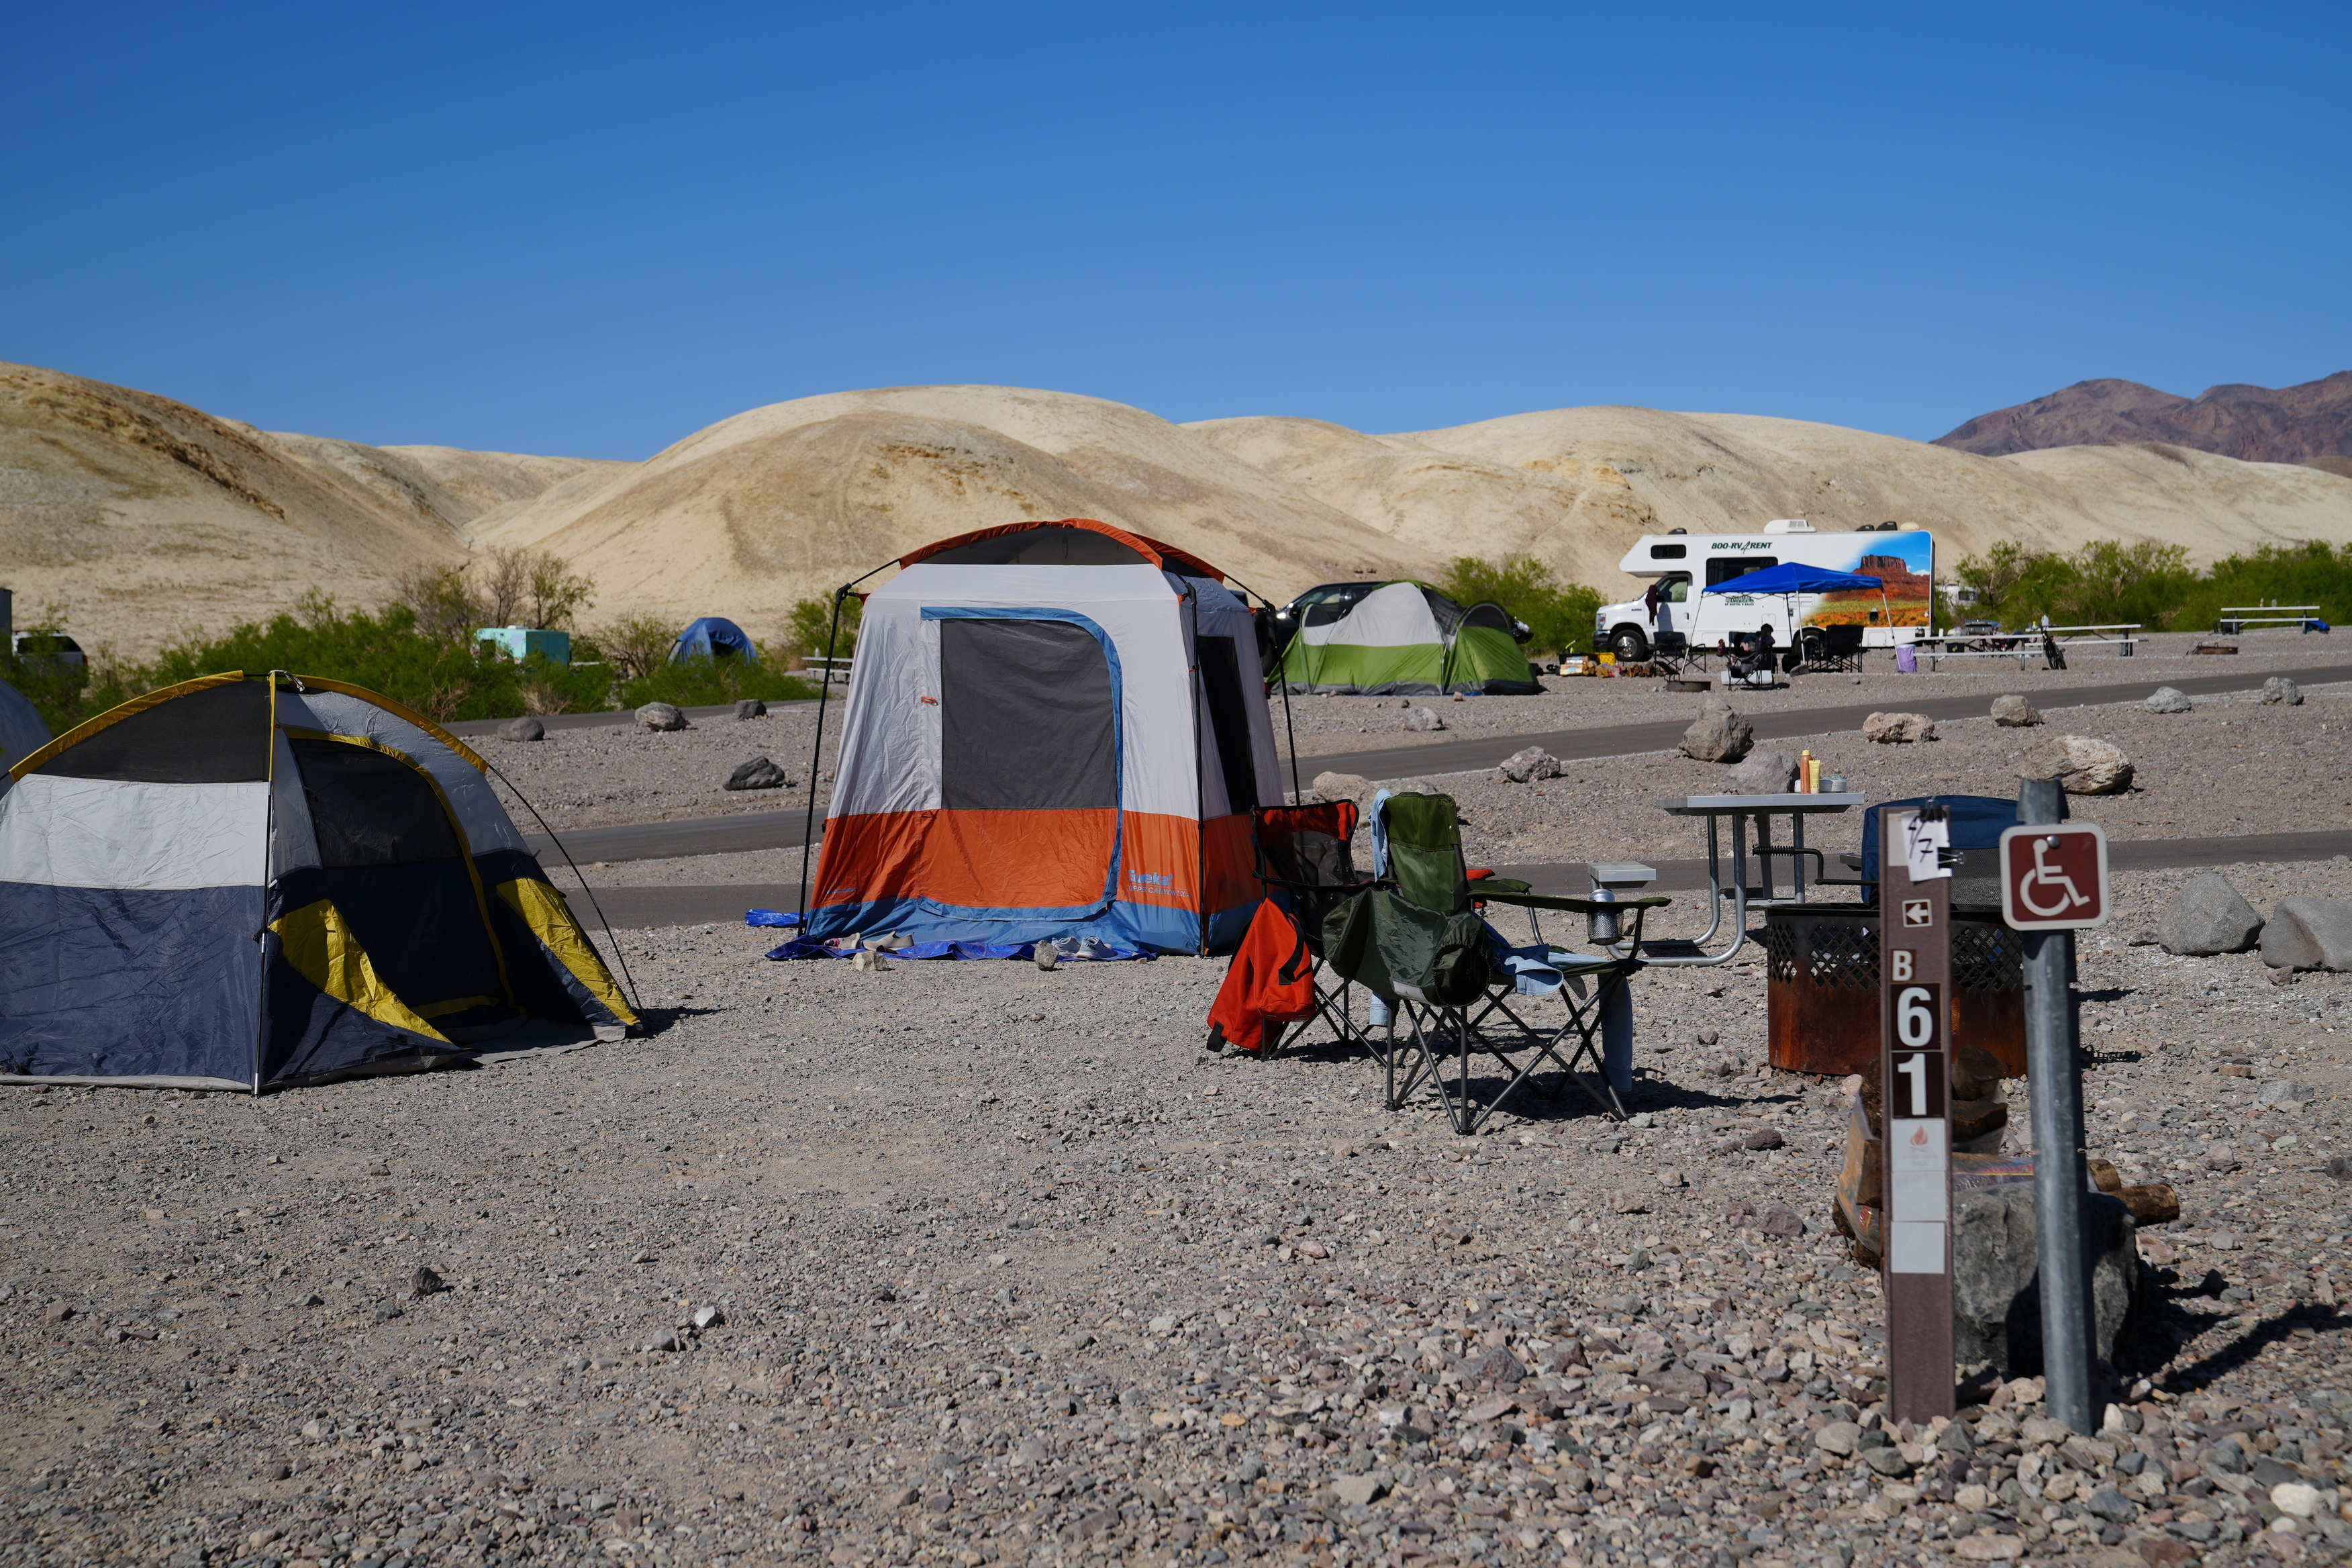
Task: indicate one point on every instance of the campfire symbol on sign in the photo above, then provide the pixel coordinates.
(1918, 912)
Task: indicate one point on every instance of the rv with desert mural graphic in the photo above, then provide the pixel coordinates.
(1676, 613)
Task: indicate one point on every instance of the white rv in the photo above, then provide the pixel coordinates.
(1677, 613)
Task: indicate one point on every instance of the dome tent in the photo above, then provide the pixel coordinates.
(713, 638)
(1406, 639)
(241, 883)
(1056, 730)
(22, 730)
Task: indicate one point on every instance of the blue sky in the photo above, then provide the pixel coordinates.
(591, 229)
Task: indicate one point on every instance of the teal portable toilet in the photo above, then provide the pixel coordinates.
(520, 642)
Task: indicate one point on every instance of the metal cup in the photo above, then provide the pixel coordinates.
(1600, 925)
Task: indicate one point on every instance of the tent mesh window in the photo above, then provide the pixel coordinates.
(1220, 678)
(219, 734)
(1013, 691)
(393, 866)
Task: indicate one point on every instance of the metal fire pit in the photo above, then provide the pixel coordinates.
(1822, 961)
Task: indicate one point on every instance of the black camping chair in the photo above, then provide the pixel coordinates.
(1826, 650)
(1417, 940)
(1304, 862)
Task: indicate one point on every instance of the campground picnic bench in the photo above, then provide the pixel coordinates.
(2033, 642)
(1739, 810)
(2237, 618)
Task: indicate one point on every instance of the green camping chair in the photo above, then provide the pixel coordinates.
(1417, 940)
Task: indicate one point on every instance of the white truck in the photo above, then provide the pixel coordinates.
(1677, 615)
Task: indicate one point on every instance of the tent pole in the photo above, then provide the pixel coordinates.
(816, 750)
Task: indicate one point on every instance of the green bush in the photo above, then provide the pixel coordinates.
(54, 686)
(2108, 581)
(811, 623)
(706, 682)
(1559, 614)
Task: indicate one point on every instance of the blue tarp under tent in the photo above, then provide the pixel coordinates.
(712, 637)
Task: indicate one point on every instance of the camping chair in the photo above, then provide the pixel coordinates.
(1305, 864)
(1825, 650)
(1417, 940)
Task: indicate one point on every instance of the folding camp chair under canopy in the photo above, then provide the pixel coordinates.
(236, 883)
(1056, 730)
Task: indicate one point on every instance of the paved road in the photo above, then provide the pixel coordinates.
(1627, 739)
(471, 727)
(686, 836)
(725, 903)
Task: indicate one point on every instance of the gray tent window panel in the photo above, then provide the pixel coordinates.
(1041, 547)
(1220, 678)
(1028, 717)
(368, 809)
(216, 735)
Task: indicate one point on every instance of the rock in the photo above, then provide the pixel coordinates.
(1501, 1366)
(1422, 720)
(2309, 933)
(1669, 1177)
(1493, 1408)
(524, 729)
(1047, 955)
(2282, 1091)
(1898, 729)
(708, 1316)
(1164, 1325)
(2080, 765)
(1989, 1548)
(904, 1497)
(2205, 917)
(1629, 1203)
(1764, 772)
(2013, 713)
(661, 716)
(1343, 786)
(1997, 1304)
(1782, 1221)
(1839, 1437)
(2167, 699)
(750, 707)
(424, 1283)
(57, 1312)
(757, 773)
(1888, 1461)
(1763, 1137)
(1532, 763)
(1358, 1491)
(2279, 690)
(2111, 1505)
(2298, 1498)
(1718, 735)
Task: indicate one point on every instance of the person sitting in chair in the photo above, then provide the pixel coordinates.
(1755, 654)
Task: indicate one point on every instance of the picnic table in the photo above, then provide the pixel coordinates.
(2032, 643)
(1739, 811)
(2236, 618)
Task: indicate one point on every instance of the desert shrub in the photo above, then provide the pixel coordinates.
(55, 688)
(634, 648)
(811, 621)
(1559, 613)
(2109, 582)
(702, 682)
(506, 586)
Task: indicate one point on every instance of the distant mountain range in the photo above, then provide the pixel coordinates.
(2310, 424)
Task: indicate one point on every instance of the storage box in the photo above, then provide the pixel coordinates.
(520, 642)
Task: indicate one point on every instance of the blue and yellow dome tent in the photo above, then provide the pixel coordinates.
(246, 882)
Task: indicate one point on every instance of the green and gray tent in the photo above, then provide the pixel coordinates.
(1405, 640)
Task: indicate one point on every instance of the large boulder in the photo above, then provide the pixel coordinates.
(2080, 765)
(750, 707)
(757, 773)
(2014, 712)
(523, 728)
(2278, 689)
(1530, 764)
(1764, 772)
(1898, 729)
(1996, 1295)
(1718, 735)
(2309, 933)
(2167, 699)
(661, 716)
(2205, 917)
(1343, 786)
(1422, 720)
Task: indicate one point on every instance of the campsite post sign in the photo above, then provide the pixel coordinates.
(1914, 966)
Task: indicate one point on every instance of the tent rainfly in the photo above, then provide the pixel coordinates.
(1054, 730)
(1407, 640)
(712, 637)
(244, 883)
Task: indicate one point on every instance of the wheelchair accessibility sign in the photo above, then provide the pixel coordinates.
(2054, 876)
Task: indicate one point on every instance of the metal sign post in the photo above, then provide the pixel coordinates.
(2054, 881)
(1914, 965)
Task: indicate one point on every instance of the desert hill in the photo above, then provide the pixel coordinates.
(2303, 424)
(144, 517)
(795, 499)
(141, 518)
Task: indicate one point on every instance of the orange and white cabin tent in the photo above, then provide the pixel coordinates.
(1054, 730)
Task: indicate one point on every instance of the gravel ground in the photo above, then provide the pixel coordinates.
(591, 777)
(1006, 1270)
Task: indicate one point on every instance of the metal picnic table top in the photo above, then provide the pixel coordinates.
(1763, 808)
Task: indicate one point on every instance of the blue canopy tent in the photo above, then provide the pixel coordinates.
(1795, 577)
(711, 638)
